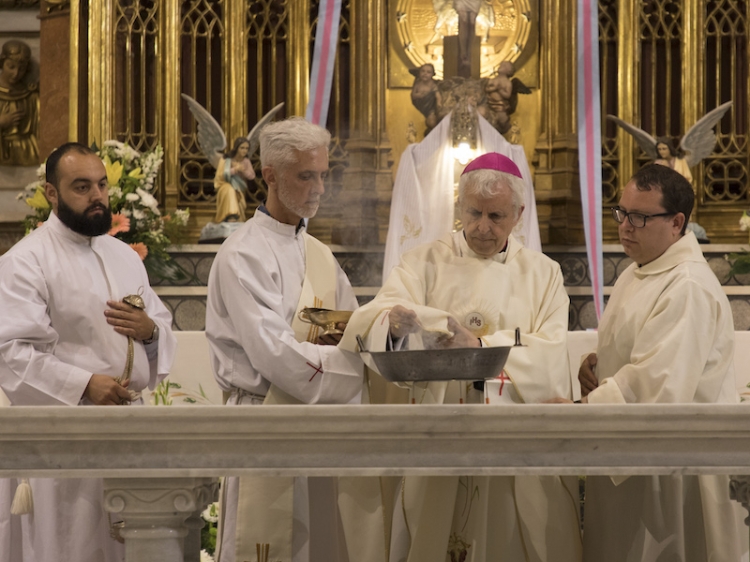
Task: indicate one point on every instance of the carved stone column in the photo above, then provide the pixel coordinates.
(154, 511)
(556, 182)
(367, 184)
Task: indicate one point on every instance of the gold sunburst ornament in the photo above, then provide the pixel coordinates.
(504, 26)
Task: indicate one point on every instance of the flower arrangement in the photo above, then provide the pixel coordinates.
(136, 217)
(210, 516)
(163, 394)
(740, 260)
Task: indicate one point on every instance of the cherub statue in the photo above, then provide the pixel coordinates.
(425, 94)
(696, 145)
(233, 169)
(502, 96)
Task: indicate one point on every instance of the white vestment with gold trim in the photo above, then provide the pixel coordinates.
(511, 518)
(262, 276)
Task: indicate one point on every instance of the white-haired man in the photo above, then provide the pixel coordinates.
(474, 287)
(261, 352)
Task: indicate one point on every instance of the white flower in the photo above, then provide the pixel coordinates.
(125, 212)
(148, 200)
(206, 557)
(139, 215)
(115, 191)
(132, 197)
(181, 216)
(211, 513)
(744, 222)
(41, 172)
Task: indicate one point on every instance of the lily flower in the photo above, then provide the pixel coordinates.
(38, 200)
(114, 170)
(136, 173)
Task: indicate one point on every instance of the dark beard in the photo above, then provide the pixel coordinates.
(81, 223)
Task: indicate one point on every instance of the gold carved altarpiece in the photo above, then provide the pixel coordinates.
(664, 64)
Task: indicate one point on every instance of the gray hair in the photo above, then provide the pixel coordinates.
(279, 140)
(487, 183)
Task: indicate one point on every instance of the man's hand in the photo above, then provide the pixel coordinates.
(129, 320)
(462, 337)
(332, 339)
(103, 390)
(403, 321)
(586, 375)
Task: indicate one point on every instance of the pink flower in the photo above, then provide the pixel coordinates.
(140, 249)
(120, 223)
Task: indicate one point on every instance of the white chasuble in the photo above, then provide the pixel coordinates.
(263, 274)
(666, 336)
(510, 518)
(54, 288)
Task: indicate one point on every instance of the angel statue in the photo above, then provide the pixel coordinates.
(233, 169)
(696, 145)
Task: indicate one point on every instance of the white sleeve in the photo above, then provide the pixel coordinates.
(160, 360)
(29, 373)
(309, 372)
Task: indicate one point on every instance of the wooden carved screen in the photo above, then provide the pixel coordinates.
(237, 58)
(664, 64)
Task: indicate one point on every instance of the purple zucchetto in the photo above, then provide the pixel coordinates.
(493, 161)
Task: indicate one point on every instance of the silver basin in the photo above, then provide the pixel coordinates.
(441, 364)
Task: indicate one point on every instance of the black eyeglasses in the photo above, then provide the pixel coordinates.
(638, 220)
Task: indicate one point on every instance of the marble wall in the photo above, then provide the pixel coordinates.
(187, 301)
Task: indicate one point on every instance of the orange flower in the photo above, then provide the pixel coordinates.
(140, 249)
(120, 223)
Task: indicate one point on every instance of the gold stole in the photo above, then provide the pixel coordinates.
(265, 506)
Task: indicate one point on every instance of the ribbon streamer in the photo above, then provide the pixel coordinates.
(589, 143)
(324, 57)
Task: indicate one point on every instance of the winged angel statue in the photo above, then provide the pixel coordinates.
(233, 168)
(696, 145)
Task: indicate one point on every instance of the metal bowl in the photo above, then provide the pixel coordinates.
(441, 364)
(325, 318)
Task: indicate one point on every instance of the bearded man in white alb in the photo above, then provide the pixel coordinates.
(64, 341)
(262, 353)
(666, 336)
(473, 288)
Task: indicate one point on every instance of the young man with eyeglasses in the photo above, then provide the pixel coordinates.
(666, 336)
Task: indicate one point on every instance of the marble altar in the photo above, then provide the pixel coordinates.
(172, 454)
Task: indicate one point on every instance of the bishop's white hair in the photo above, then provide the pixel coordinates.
(487, 183)
(279, 140)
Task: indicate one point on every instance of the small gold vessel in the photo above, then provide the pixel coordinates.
(325, 318)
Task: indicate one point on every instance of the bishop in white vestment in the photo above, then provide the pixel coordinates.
(666, 336)
(262, 352)
(472, 288)
(60, 293)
